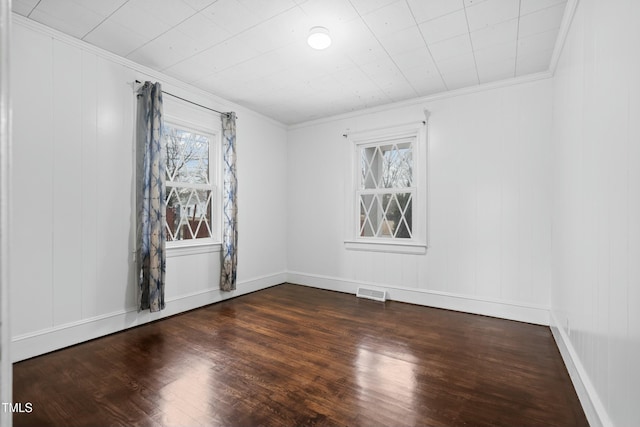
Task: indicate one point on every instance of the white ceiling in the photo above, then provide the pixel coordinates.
(254, 52)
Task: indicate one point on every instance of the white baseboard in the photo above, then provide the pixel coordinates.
(591, 404)
(47, 340)
(503, 309)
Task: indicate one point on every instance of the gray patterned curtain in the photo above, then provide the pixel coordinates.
(150, 196)
(230, 204)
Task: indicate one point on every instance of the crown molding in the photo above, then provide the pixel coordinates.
(429, 98)
(565, 26)
(213, 101)
(204, 97)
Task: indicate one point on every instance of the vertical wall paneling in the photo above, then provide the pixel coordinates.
(67, 183)
(72, 271)
(114, 183)
(488, 203)
(6, 373)
(89, 188)
(31, 180)
(596, 139)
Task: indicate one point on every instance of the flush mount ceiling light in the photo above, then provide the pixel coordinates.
(319, 38)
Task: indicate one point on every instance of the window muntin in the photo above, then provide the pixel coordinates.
(190, 182)
(386, 189)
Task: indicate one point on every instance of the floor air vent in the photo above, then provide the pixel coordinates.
(371, 294)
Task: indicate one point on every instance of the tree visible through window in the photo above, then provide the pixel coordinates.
(386, 191)
(189, 183)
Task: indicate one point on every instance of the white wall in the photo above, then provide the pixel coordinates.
(596, 208)
(72, 268)
(6, 368)
(489, 205)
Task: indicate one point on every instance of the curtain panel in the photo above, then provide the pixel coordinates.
(228, 268)
(150, 198)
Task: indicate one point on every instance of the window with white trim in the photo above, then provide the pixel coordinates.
(386, 189)
(387, 206)
(190, 182)
(192, 153)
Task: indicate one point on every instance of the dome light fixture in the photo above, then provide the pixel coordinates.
(319, 38)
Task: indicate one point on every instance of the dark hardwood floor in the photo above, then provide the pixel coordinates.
(292, 356)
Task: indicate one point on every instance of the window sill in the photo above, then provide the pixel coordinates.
(391, 247)
(192, 249)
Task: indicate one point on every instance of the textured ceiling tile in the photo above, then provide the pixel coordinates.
(255, 51)
(424, 82)
(457, 63)
(268, 9)
(165, 50)
(199, 4)
(232, 16)
(133, 17)
(367, 6)
(289, 27)
(461, 78)
(414, 58)
(389, 19)
(66, 16)
(501, 33)
(403, 41)
(449, 48)
(195, 67)
(498, 53)
(328, 13)
(528, 6)
(169, 12)
(426, 10)
(23, 7)
(537, 42)
(116, 38)
(202, 29)
(468, 3)
(491, 12)
(493, 71)
(445, 27)
(533, 63)
(101, 7)
(399, 90)
(541, 21)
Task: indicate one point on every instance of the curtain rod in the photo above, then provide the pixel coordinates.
(191, 102)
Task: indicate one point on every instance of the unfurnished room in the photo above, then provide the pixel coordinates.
(320, 212)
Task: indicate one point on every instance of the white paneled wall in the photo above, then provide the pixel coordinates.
(72, 267)
(489, 205)
(596, 208)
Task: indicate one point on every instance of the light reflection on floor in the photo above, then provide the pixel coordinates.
(191, 396)
(386, 376)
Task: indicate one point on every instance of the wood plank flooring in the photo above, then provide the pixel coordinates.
(292, 356)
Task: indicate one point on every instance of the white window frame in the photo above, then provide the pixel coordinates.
(195, 119)
(417, 134)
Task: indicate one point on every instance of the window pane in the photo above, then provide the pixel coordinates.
(386, 215)
(387, 166)
(367, 228)
(401, 214)
(370, 167)
(186, 156)
(188, 213)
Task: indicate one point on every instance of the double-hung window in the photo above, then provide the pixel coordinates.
(386, 189)
(387, 206)
(192, 172)
(190, 185)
